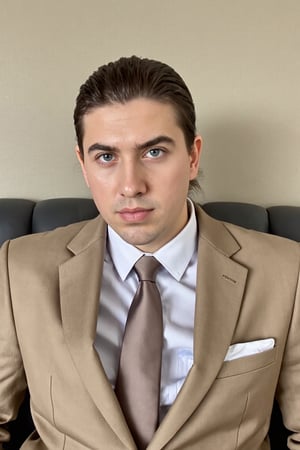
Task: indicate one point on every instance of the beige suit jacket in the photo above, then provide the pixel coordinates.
(247, 289)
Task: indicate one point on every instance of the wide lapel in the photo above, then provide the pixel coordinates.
(220, 288)
(80, 279)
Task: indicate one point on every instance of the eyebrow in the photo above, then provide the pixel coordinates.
(155, 141)
(98, 146)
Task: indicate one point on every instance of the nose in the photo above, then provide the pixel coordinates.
(132, 180)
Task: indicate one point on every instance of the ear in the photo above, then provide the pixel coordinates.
(195, 157)
(81, 162)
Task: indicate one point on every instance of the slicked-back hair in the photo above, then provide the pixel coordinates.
(130, 78)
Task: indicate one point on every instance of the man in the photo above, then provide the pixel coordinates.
(229, 305)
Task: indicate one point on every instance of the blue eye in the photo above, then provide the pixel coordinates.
(155, 152)
(106, 157)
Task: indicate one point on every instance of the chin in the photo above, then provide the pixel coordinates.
(137, 241)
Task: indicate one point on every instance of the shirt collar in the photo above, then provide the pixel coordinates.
(125, 255)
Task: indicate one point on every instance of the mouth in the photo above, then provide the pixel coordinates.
(134, 215)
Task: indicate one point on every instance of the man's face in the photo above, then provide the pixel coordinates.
(138, 169)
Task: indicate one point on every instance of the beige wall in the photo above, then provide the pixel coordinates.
(240, 59)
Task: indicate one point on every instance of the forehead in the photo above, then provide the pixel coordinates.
(135, 120)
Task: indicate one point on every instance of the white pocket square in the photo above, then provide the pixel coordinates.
(249, 348)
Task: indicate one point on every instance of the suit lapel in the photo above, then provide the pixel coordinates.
(80, 279)
(220, 288)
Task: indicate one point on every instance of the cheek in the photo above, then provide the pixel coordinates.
(101, 189)
(178, 178)
(98, 180)
(173, 191)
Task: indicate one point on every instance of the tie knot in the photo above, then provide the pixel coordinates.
(146, 268)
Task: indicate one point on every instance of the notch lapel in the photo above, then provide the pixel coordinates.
(219, 292)
(80, 280)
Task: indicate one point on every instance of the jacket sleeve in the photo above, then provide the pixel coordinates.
(12, 376)
(288, 392)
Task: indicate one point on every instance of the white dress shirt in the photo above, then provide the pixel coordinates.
(176, 281)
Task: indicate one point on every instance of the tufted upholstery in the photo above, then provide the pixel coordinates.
(20, 216)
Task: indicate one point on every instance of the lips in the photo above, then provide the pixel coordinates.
(134, 214)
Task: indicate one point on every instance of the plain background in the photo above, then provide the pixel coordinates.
(240, 59)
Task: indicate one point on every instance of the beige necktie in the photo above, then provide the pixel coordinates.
(138, 381)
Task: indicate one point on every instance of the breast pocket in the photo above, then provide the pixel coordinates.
(248, 363)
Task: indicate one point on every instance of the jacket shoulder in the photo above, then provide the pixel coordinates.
(58, 235)
(51, 246)
(251, 243)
